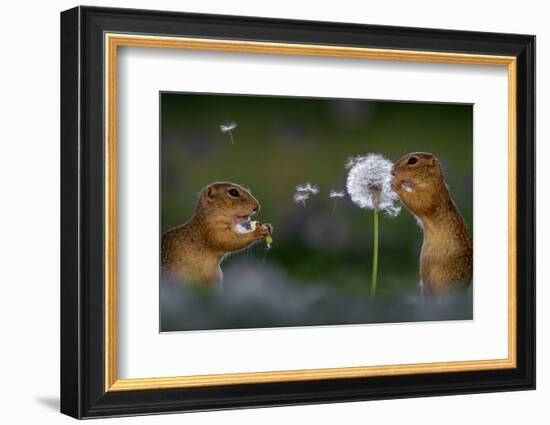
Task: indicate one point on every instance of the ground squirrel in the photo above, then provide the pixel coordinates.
(193, 251)
(446, 257)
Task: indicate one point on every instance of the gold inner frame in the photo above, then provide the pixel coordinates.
(113, 41)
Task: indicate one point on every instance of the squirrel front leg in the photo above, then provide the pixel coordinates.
(260, 232)
(263, 230)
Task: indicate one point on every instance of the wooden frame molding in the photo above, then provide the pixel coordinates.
(114, 40)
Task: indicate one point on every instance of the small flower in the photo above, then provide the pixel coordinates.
(301, 198)
(369, 184)
(228, 127)
(307, 188)
(268, 241)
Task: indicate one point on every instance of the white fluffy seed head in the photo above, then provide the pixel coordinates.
(228, 126)
(369, 183)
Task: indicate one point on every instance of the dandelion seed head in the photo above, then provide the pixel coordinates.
(337, 194)
(369, 184)
(308, 188)
(228, 126)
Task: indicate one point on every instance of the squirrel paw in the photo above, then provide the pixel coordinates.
(264, 230)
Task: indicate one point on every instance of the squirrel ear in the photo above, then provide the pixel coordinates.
(210, 192)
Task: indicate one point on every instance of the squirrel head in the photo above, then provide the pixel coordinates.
(226, 202)
(418, 180)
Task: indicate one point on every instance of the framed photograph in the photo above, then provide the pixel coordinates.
(261, 212)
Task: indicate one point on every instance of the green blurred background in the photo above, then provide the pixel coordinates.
(280, 142)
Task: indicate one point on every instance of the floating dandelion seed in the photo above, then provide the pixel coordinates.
(304, 191)
(369, 187)
(307, 188)
(228, 127)
(301, 198)
(336, 194)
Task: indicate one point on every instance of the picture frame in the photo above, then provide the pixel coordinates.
(90, 40)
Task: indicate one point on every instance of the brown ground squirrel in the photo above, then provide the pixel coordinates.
(446, 257)
(220, 224)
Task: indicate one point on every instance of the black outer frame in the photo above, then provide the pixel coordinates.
(82, 218)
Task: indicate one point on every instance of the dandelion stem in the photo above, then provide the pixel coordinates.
(231, 137)
(374, 256)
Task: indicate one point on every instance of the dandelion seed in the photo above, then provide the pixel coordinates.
(246, 226)
(301, 198)
(336, 194)
(304, 191)
(308, 188)
(369, 187)
(228, 127)
(407, 187)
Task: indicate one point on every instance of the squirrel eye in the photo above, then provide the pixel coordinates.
(412, 160)
(234, 193)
